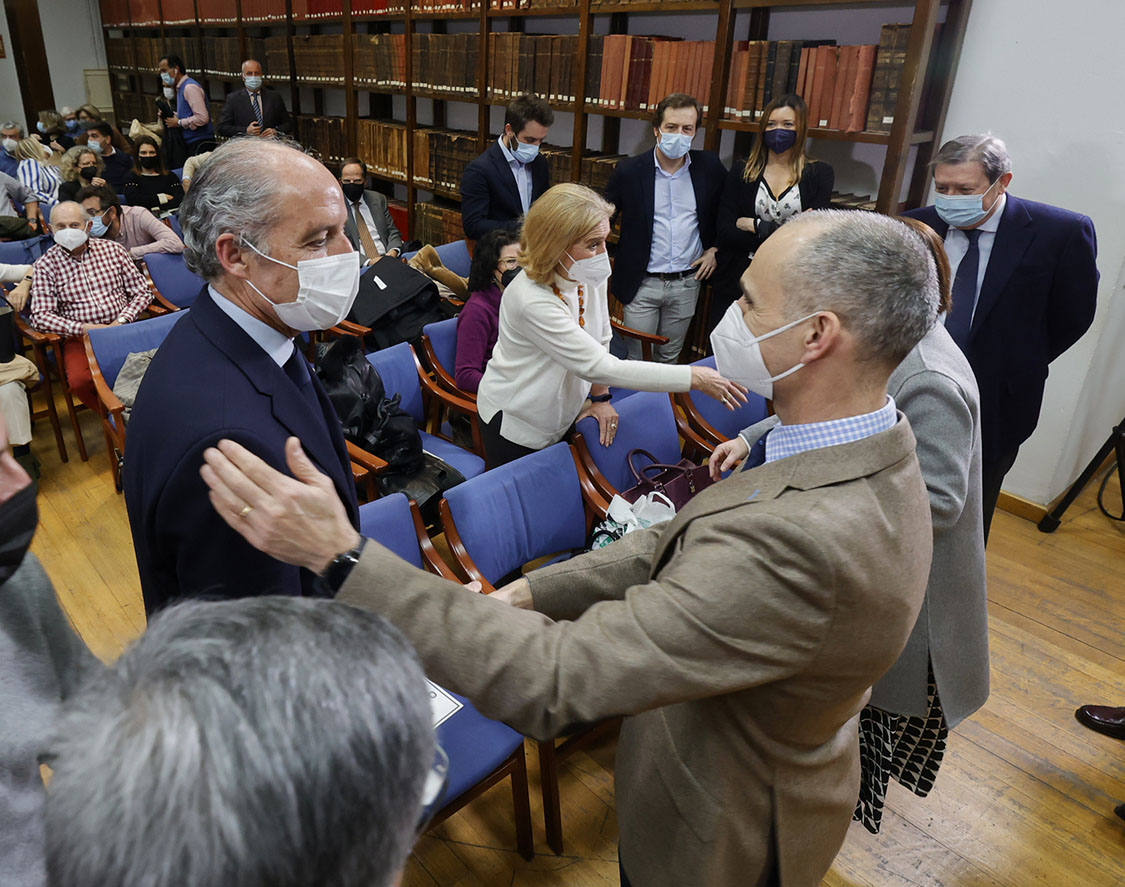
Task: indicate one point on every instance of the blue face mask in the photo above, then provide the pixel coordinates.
(780, 140)
(94, 146)
(73, 126)
(42, 127)
(253, 83)
(525, 153)
(674, 145)
(98, 227)
(168, 79)
(962, 210)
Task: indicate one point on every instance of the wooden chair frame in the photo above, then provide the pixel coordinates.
(442, 375)
(550, 755)
(436, 400)
(40, 343)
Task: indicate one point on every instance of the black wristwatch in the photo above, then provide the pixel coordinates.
(601, 398)
(337, 572)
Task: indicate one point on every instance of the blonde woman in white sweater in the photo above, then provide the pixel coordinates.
(551, 365)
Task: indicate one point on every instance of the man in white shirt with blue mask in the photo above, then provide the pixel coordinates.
(667, 200)
(264, 227)
(499, 186)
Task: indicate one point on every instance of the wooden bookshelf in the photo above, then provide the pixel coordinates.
(919, 113)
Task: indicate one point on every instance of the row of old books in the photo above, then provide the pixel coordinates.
(383, 147)
(836, 84)
(326, 135)
(380, 60)
(436, 224)
(538, 63)
(222, 56)
(319, 58)
(632, 73)
(446, 63)
(889, 64)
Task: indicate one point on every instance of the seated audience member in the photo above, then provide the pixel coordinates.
(495, 265)
(87, 116)
(11, 134)
(259, 214)
(150, 184)
(272, 742)
(370, 229)
(498, 187)
(192, 166)
(38, 173)
(254, 111)
(79, 167)
(52, 131)
(551, 365)
(42, 661)
(741, 639)
(134, 227)
(12, 225)
(80, 283)
(192, 117)
(666, 199)
(775, 184)
(70, 120)
(118, 164)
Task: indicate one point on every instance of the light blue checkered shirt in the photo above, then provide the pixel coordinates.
(789, 440)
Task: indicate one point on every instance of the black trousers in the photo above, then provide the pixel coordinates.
(498, 449)
(992, 473)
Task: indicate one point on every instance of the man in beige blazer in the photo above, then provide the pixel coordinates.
(741, 639)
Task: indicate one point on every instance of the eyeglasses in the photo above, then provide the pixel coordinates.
(508, 263)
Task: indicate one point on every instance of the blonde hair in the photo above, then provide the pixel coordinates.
(32, 149)
(68, 165)
(563, 215)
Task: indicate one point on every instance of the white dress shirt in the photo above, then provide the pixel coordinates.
(675, 224)
(277, 345)
(520, 172)
(957, 244)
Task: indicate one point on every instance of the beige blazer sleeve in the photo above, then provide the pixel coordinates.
(678, 636)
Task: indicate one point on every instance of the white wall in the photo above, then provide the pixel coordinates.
(1049, 84)
(72, 35)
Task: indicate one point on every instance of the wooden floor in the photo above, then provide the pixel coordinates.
(1025, 796)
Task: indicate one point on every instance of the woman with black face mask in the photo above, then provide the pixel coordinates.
(150, 184)
(777, 182)
(79, 167)
(495, 265)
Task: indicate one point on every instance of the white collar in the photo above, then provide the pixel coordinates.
(276, 344)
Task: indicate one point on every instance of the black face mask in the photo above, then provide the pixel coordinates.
(149, 162)
(88, 172)
(353, 191)
(508, 276)
(18, 518)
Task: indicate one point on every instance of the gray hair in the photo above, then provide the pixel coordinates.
(263, 742)
(872, 271)
(69, 206)
(987, 150)
(11, 124)
(236, 191)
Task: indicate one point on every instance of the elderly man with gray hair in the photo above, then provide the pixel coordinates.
(273, 742)
(1025, 288)
(741, 639)
(264, 226)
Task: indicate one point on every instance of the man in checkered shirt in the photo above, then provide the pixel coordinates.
(86, 284)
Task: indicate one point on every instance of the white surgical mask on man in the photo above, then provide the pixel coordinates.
(327, 287)
(592, 271)
(738, 352)
(70, 238)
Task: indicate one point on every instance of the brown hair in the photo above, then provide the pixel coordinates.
(677, 100)
(146, 140)
(936, 246)
(525, 107)
(756, 164)
(563, 215)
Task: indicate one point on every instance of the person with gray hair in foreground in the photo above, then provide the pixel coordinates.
(264, 226)
(741, 639)
(269, 742)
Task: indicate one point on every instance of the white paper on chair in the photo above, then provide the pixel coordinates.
(442, 704)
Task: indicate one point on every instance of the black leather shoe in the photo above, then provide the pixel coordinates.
(1103, 718)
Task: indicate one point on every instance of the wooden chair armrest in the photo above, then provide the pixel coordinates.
(688, 418)
(33, 335)
(368, 460)
(430, 557)
(347, 328)
(589, 474)
(109, 402)
(161, 305)
(597, 505)
(651, 338)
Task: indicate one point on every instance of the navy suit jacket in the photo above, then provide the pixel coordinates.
(1037, 299)
(489, 195)
(632, 189)
(208, 381)
(237, 113)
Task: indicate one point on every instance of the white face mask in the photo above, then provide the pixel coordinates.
(327, 288)
(10, 145)
(169, 92)
(592, 271)
(70, 238)
(738, 354)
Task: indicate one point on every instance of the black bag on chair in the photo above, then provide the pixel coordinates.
(395, 301)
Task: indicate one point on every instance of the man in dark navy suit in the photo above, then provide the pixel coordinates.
(499, 186)
(668, 199)
(255, 110)
(229, 368)
(1025, 289)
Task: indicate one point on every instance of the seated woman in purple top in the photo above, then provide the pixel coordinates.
(494, 266)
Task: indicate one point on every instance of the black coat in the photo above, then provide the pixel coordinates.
(632, 190)
(237, 113)
(489, 195)
(1037, 299)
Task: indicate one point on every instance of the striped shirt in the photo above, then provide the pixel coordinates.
(102, 285)
(789, 440)
(40, 179)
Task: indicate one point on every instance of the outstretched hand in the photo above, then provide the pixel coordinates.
(298, 519)
(710, 382)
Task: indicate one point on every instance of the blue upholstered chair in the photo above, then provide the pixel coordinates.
(482, 752)
(712, 421)
(455, 256)
(106, 351)
(403, 375)
(25, 252)
(174, 222)
(439, 353)
(523, 511)
(179, 171)
(176, 285)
